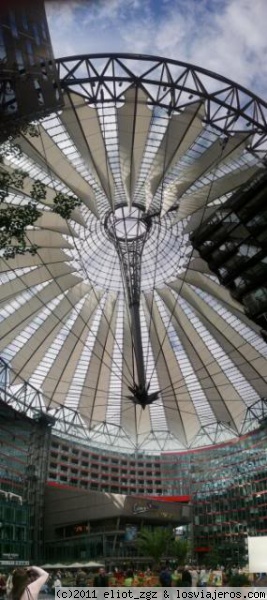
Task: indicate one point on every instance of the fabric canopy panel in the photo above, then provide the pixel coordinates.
(148, 161)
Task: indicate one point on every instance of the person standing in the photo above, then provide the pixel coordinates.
(128, 581)
(186, 580)
(195, 576)
(81, 578)
(101, 580)
(165, 577)
(27, 583)
(57, 580)
(203, 577)
(2, 586)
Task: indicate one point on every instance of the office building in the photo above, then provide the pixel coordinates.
(29, 86)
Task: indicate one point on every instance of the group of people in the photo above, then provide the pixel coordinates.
(180, 577)
(26, 583)
(183, 577)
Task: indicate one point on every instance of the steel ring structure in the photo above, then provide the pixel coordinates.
(116, 327)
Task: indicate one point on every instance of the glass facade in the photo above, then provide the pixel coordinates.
(28, 84)
(233, 241)
(228, 488)
(225, 485)
(92, 525)
(14, 528)
(15, 434)
(23, 471)
(116, 545)
(109, 539)
(14, 445)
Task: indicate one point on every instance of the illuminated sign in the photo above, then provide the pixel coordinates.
(142, 508)
(146, 508)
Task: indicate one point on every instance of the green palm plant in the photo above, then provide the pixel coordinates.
(180, 549)
(155, 543)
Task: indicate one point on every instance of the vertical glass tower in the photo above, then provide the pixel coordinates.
(28, 79)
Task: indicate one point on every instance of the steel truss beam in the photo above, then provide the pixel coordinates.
(68, 424)
(170, 84)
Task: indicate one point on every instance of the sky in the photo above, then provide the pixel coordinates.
(227, 37)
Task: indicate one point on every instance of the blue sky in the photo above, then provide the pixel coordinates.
(225, 36)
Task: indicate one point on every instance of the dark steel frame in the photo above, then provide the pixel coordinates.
(103, 78)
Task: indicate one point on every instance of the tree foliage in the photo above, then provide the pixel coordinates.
(7, 180)
(10, 128)
(154, 543)
(214, 557)
(14, 220)
(64, 205)
(180, 550)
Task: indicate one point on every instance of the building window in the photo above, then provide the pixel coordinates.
(13, 24)
(20, 61)
(30, 52)
(2, 47)
(44, 32)
(24, 19)
(36, 34)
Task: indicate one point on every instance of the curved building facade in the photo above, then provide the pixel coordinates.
(224, 488)
(218, 493)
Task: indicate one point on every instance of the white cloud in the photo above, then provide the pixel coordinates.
(224, 36)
